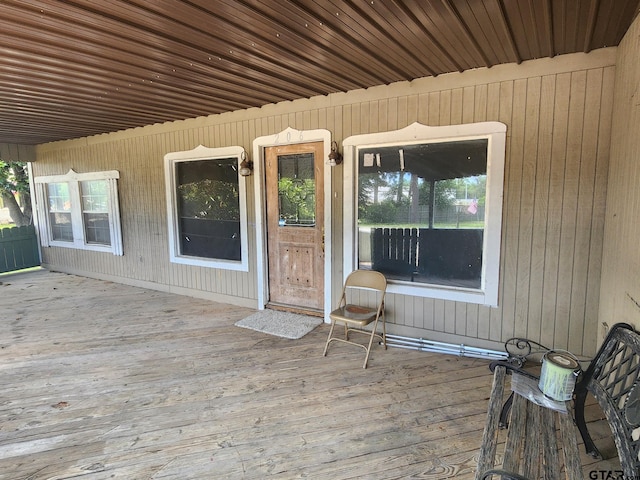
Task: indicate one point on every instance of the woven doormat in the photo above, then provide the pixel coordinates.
(280, 324)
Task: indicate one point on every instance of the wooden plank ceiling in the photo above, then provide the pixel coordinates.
(81, 67)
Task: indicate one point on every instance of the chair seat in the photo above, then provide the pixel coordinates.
(356, 317)
(354, 314)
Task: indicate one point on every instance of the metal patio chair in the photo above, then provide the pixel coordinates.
(355, 316)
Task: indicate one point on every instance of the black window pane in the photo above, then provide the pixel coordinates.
(209, 208)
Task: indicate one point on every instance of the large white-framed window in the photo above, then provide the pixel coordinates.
(427, 209)
(80, 210)
(206, 208)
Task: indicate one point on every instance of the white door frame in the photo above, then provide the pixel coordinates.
(289, 136)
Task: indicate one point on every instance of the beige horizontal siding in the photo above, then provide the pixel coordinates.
(558, 117)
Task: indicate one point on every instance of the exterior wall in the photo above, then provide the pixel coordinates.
(11, 152)
(620, 293)
(558, 117)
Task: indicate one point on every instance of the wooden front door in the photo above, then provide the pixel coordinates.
(295, 229)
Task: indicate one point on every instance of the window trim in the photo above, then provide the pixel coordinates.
(495, 133)
(204, 153)
(79, 234)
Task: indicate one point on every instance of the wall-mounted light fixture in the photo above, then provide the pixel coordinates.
(246, 166)
(335, 158)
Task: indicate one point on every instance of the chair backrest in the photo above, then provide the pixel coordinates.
(366, 279)
(613, 377)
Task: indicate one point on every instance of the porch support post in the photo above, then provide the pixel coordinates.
(432, 201)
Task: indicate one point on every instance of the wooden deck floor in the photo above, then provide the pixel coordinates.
(101, 381)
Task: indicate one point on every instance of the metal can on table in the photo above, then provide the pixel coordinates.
(558, 375)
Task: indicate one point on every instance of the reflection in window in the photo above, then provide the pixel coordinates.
(95, 211)
(60, 212)
(297, 190)
(421, 211)
(208, 208)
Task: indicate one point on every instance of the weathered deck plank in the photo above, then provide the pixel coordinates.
(101, 381)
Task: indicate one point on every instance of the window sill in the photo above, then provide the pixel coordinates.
(238, 266)
(456, 294)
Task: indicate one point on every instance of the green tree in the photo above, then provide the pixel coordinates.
(14, 185)
(297, 199)
(445, 192)
(210, 200)
(368, 191)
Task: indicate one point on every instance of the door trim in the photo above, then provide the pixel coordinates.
(287, 137)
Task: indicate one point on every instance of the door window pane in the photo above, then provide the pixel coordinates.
(60, 211)
(208, 208)
(297, 190)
